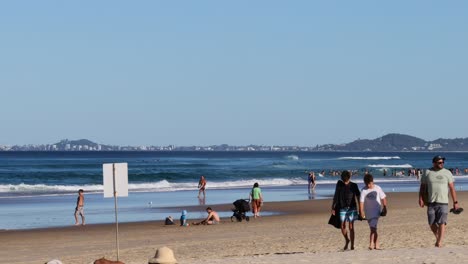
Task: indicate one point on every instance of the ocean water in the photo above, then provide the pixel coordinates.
(38, 189)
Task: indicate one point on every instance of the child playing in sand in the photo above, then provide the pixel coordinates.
(372, 199)
(183, 219)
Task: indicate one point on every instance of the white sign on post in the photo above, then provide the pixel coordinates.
(121, 179)
(115, 179)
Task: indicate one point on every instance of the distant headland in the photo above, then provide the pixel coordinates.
(388, 143)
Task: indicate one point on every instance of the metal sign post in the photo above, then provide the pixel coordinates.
(115, 206)
(115, 184)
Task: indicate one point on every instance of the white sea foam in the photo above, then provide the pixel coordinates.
(378, 180)
(43, 188)
(390, 166)
(160, 186)
(292, 157)
(370, 158)
(166, 186)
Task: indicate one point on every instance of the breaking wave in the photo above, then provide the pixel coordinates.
(160, 186)
(390, 166)
(292, 157)
(370, 158)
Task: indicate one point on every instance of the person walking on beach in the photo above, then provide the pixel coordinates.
(256, 199)
(344, 203)
(201, 186)
(373, 204)
(79, 210)
(433, 193)
(311, 180)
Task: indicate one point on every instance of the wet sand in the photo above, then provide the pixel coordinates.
(300, 234)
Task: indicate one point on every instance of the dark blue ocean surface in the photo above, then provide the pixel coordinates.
(25, 173)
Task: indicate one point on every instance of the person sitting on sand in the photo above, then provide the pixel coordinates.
(373, 202)
(183, 218)
(211, 219)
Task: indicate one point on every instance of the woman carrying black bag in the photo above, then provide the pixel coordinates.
(345, 205)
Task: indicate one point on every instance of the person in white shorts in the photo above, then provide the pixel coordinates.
(373, 203)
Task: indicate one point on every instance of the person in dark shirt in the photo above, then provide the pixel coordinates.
(344, 203)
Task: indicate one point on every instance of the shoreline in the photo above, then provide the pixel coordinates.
(280, 208)
(300, 228)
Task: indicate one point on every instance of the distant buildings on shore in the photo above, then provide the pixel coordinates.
(87, 145)
(387, 143)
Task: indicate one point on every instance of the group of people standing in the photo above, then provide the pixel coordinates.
(370, 203)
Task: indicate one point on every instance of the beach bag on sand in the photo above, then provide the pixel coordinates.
(335, 221)
(169, 221)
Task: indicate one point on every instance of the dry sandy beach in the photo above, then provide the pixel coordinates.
(300, 235)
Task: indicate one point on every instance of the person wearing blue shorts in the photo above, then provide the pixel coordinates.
(344, 203)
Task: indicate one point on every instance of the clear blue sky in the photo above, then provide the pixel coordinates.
(235, 72)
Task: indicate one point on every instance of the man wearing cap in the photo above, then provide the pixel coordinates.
(433, 192)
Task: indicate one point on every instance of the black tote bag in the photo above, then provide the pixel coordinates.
(335, 220)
